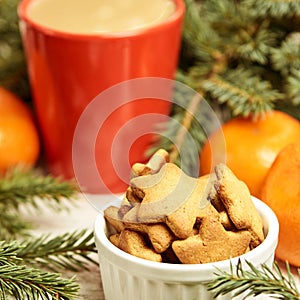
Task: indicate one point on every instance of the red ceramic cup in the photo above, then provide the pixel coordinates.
(68, 70)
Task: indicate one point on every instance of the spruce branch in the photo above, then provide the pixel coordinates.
(8, 252)
(21, 265)
(275, 9)
(256, 45)
(294, 86)
(67, 251)
(24, 186)
(12, 226)
(185, 132)
(253, 282)
(185, 126)
(287, 55)
(242, 62)
(22, 283)
(13, 73)
(222, 37)
(21, 262)
(245, 93)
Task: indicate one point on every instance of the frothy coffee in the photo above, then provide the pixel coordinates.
(99, 16)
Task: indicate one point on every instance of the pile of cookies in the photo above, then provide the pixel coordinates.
(168, 216)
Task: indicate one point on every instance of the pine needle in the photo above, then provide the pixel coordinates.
(294, 86)
(8, 252)
(12, 226)
(252, 281)
(13, 73)
(221, 38)
(22, 262)
(276, 9)
(22, 283)
(24, 186)
(67, 251)
(245, 93)
(186, 124)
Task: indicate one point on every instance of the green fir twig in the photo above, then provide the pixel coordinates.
(22, 283)
(69, 251)
(22, 264)
(24, 186)
(13, 73)
(66, 251)
(242, 55)
(12, 225)
(250, 281)
(8, 252)
(245, 96)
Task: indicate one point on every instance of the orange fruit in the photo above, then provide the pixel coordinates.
(281, 191)
(251, 146)
(19, 140)
(11, 104)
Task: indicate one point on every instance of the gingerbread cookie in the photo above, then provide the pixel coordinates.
(213, 243)
(236, 198)
(134, 243)
(168, 216)
(172, 197)
(159, 158)
(111, 214)
(159, 234)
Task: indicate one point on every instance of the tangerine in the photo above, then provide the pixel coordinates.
(19, 139)
(281, 191)
(12, 104)
(250, 146)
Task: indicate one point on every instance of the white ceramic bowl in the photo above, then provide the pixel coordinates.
(128, 277)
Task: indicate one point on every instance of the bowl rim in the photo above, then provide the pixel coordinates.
(187, 272)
